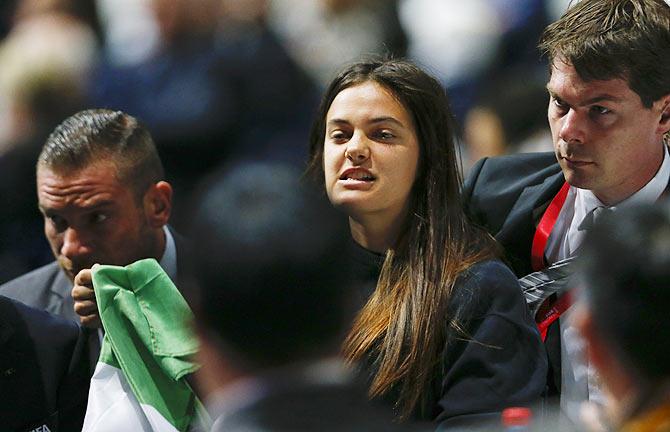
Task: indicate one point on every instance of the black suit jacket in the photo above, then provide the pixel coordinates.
(46, 288)
(507, 196)
(44, 370)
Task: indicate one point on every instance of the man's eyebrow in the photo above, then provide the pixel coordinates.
(605, 97)
(90, 207)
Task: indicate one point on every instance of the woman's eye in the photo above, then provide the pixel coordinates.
(338, 136)
(385, 135)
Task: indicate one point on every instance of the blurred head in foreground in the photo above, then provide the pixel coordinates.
(271, 284)
(625, 272)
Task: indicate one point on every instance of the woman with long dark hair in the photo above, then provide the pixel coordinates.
(444, 331)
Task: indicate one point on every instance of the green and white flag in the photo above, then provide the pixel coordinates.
(139, 382)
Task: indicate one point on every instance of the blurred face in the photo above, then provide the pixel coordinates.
(605, 139)
(371, 152)
(90, 217)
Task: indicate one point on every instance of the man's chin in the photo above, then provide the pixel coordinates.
(578, 178)
(69, 270)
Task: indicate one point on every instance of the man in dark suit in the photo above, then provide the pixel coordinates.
(43, 370)
(272, 305)
(609, 111)
(101, 191)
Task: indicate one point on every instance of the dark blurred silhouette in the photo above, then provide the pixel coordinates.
(218, 85)
(272, 303)
(508, 117)
(625, 274)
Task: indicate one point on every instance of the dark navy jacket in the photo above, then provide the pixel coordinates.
(44, 371)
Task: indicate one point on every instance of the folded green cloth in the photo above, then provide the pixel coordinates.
(148, 337)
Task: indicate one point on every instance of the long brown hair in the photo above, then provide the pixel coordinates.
(405, 322)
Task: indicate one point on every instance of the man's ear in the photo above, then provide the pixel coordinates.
(158, 204)
(664, 124)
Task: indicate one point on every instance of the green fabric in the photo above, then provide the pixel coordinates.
(148, 336)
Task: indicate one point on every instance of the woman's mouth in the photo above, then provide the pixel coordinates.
(357, 175)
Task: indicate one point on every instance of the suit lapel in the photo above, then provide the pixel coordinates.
(517, 232)
(60, 301)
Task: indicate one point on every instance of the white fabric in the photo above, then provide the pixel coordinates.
(112, 406)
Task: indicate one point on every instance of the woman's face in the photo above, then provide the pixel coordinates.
(370, 152)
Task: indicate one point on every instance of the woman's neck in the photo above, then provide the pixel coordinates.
(375, 232)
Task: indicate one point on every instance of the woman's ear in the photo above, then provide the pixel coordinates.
(158, 204)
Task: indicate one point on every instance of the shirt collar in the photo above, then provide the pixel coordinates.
(169, 259)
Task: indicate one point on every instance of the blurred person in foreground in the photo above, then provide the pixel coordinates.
(623, 315)
(272, 302)
(609, 109)
(101, 191)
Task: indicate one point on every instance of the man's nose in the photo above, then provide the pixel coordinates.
(73, 244)
(573, 127)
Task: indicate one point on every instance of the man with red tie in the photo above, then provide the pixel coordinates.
(609, 111)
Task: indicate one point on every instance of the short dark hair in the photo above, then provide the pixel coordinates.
(90, 135)
(607, 39)
(270, 276)
(625, 271)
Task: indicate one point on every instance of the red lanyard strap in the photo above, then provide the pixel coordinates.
(546, 317)
(545, 226)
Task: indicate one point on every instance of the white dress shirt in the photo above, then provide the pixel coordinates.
(579, 381)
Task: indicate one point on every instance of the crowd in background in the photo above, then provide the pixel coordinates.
(217, 79)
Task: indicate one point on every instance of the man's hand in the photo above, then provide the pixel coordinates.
(84, 300)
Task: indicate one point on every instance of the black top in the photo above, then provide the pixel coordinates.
(502, 364)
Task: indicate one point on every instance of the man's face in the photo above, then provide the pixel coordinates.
(605, 139)
(91, 217)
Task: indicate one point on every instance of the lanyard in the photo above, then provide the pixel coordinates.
(544, 228)
(551, 310)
